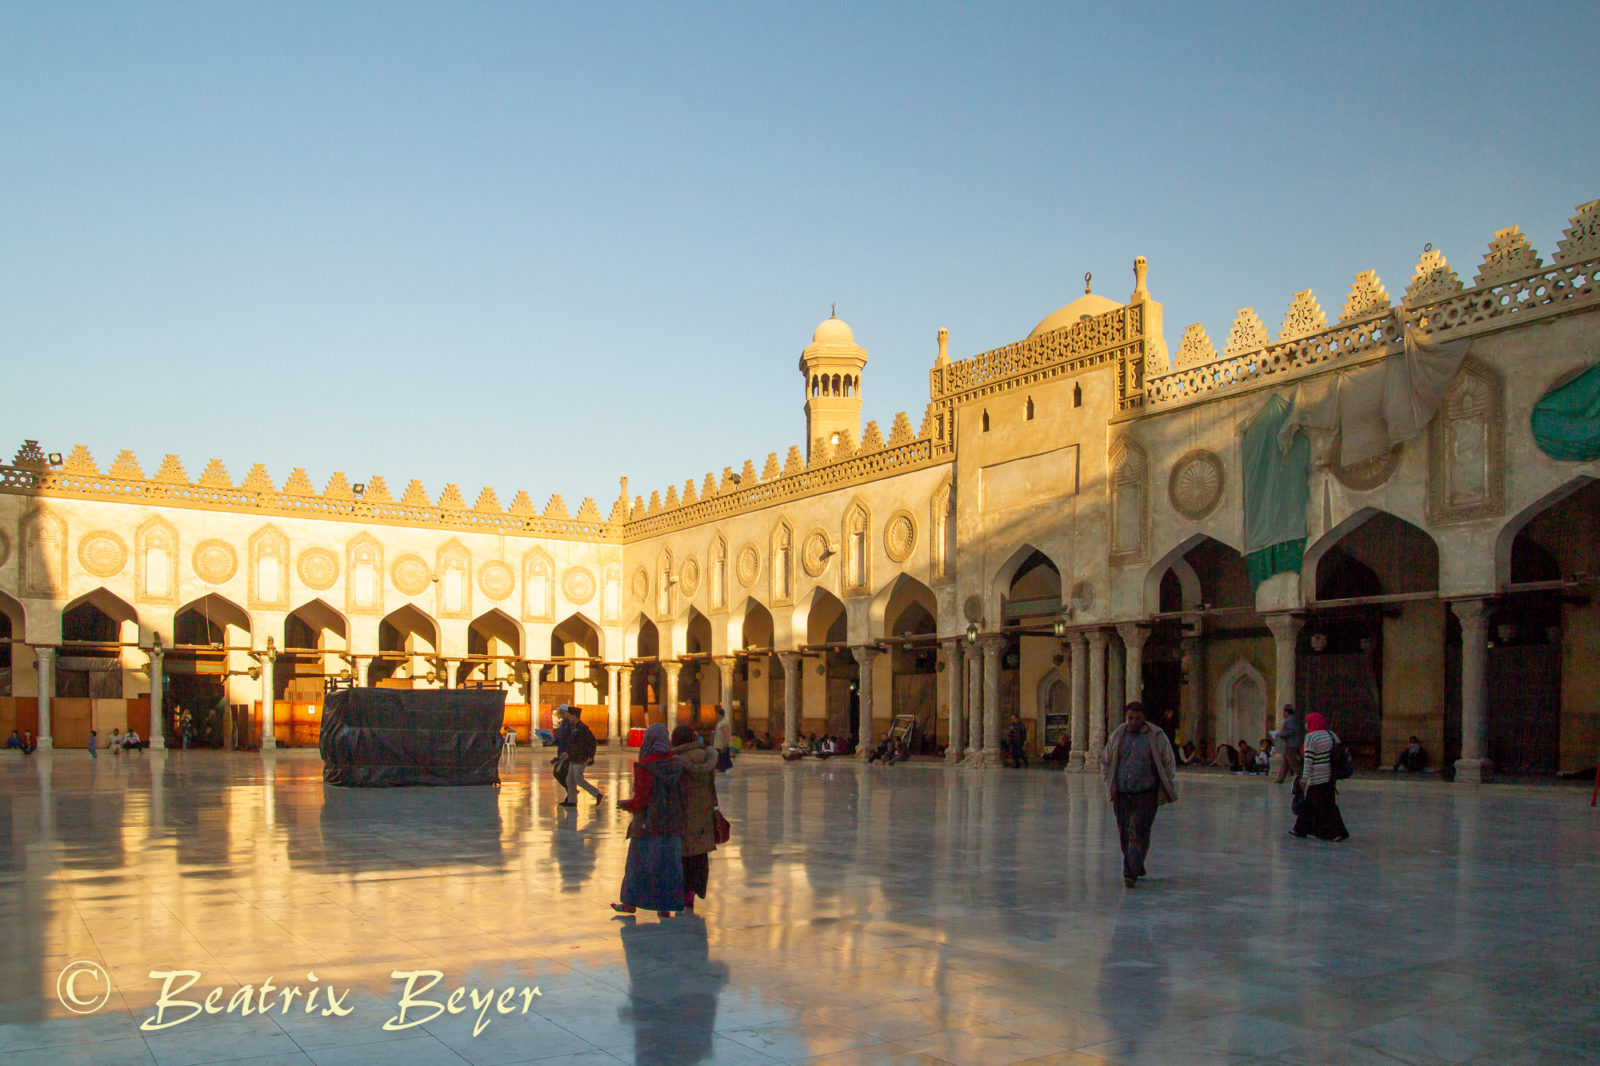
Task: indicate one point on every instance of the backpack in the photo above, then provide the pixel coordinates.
(1343, 761)
(583, 745)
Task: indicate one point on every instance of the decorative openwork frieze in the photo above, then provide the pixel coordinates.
(1070, 350)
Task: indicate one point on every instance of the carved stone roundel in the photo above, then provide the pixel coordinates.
(900, 536)
(215, 561)
(496, 580)
(1368, 474)
(578, 586)
(689, 576)
(749, 565)
(972, 609)
(410, 574)
(102, 553)
(1083, 597)
(318, 568)
(1195, 487)
(813, 556)
(641, 585)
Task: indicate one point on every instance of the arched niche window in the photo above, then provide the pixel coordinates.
(155, 552)
(1027, 411)
(943, 523)
(1077, 395)
(44, 556)
(269, 569)
(1128, 485)
(611, 594)
(857, 553)
(364, 584)
(453, 591)
(719, 573)
(1466, 468)
(782, 569)
(986, 421)
(538, 587)
(664, 581)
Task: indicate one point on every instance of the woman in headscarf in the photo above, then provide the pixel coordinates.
(653, 876)
(699, 801)
(1319, 811)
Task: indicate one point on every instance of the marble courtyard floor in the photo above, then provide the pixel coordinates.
(860, 916)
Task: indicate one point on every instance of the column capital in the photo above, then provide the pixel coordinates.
(865, 653)
(614, 669)
(1472, 614)
(1133, 634)
(789, 659)
(44, 652)
(1283, 624)
(992, 643)
(1097, 638)
(670, 667)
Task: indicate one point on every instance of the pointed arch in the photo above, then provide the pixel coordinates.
(1018, 563)
(314, 618)
(894, 600)
(107, 602)
(155, 558)
(1506, 539)
(826, 621)
(1194, 585)
(268, 554)
(578, 628)
(1400, 556)
(1241, 699)
(538, 586)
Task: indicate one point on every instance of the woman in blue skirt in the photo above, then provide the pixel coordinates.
(653, 877)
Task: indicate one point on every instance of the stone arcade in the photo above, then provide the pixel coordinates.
(1066, 529)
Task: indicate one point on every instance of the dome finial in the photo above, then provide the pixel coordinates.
(1087, 277)
(833, 309)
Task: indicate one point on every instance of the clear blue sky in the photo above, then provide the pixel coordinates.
(537, 247)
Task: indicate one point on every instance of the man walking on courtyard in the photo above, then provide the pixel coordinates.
(1289, 736)
(1140, 774)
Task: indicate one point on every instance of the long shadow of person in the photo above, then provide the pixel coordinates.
(673, 985)
(573, 850)
(1134, 994)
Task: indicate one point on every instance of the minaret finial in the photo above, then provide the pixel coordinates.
(1087, 277)
(833, 309)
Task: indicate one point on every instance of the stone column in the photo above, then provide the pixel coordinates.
(614, 717)
(45, 671)
(993, 646)
(725, 673)
(671, 669)
(1133, 637)
(269, 686)
(1116, 680)
(1285, 629)
(791, 661)
(864, 656)
(158, 680)
(625, 704)
(1080, 703)
(1473, 768)
(1193, 721)
(974, 659)
(956, 682)
(1097, 699)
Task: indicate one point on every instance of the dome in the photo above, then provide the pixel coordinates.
(833, 331)
(1086, 306)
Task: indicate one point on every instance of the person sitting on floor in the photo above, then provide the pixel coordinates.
(1059, 753)
(29, 745)
(1413, 758)
(884, 749)
(1186, 754)
(1227, 758)
(1263, 760)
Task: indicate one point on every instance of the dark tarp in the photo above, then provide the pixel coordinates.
(1566, 420)
(1277, 487)
(380, 737)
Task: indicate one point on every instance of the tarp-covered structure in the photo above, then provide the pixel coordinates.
(383, 737)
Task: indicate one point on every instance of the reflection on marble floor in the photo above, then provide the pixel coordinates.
(861, 915)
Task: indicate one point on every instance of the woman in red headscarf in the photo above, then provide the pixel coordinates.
(1319, 812)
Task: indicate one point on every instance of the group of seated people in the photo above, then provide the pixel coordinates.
(120, 741)
(825, 747)
(891, 750)
(751, 742)
(1238, 758)
(22, 742)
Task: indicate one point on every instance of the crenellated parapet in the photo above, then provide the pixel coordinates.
(1512, 287)
(77, 476)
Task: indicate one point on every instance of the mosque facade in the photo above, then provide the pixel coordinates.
(1391, 515)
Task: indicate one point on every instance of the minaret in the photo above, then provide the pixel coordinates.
(831, 365)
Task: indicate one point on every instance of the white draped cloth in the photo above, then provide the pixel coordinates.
(1359, 414)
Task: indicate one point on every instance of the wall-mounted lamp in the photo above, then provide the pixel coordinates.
(1060, 624)
(972, 633)
(1319, 642)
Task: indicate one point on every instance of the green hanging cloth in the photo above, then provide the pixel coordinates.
(1566, 420)
(1277, 489)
